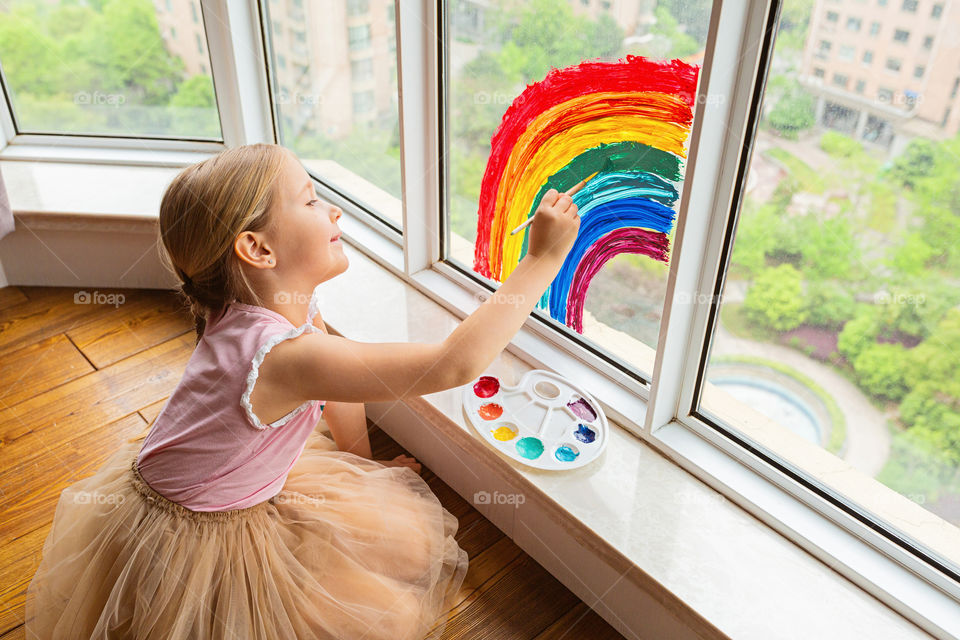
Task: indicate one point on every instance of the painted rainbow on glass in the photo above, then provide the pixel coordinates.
(629, 120)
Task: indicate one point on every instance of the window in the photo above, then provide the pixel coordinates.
(818, 72)
(846, 53)
(881, 3)
(824, 51)
(193, 12)
(357, 7)
(341, 124)
(867, 57)
(936, 11)
(814, 316)
(918, 71)
(901, 35)
(363, 102)
(487, 71)
(853, 24)
(874, 28)
(928, 42)
(910, 6)
(150, 94)
(359, 37)
(833, 16)
(956, 85)
(361, 70)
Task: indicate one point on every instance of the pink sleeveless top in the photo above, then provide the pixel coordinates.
(207, 450)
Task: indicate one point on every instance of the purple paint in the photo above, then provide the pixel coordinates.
(583, 410)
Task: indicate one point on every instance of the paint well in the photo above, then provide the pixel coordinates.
(486, 386)
(585, 433)
(505, 432)
(490, 411)
(583, 410)
(530, 447)
(546, 389)
(566, 453)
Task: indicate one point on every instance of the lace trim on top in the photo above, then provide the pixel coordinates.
(255, 372)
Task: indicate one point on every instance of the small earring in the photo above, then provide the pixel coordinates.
(270, 260)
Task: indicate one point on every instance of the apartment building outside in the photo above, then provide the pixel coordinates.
(885, 71)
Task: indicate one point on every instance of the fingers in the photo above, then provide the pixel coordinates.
(550, 197)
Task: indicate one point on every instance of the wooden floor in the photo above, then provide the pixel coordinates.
(79, 379)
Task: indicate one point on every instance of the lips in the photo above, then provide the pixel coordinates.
(335, 238)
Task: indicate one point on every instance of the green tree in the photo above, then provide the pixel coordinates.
(829, 305)
(775, 299)
(917, 161)
(879, 369)
(859, 333)
(793, 112)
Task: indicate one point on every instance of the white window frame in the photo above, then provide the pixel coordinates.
(660, 413)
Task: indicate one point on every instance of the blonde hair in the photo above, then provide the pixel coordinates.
(203, 210)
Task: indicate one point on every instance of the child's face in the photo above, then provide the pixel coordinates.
(307, 241)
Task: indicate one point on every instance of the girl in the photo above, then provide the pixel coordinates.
(235, 518)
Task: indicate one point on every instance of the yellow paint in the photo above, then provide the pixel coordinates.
(617, 117)
(504, 433)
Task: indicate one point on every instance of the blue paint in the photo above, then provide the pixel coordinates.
(530, 448)
(596, 222)
(585, 434)
(565, 454)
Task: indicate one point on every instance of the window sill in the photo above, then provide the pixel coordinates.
(637, 534)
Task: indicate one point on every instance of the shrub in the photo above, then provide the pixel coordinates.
(775, 299)
(879, 369)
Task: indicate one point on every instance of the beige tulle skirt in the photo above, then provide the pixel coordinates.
(348, 549)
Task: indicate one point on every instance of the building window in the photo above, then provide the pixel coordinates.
(956, 86)
(861, 85)
(833, 16)
(853, 24)
(173, 33)
(874, 28)
(199, 43)
(361, 70)
(918, 71)
(363, 102)
(818, 72)
(910, 6)
(193, 12)
(901, 35)
(359, 37)
(893, 64)
(391, 13)
(885, 95)
(846, 53)
(867, 57)
(936, 11)
(840, 80)
(277, 29)
(928, 42)
(281, 62)
(882, 3)
(357, 7)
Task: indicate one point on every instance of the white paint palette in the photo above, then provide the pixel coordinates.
(545, 421)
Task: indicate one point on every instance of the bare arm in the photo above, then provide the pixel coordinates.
(335, 369)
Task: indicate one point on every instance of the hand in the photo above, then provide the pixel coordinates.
(554, 227)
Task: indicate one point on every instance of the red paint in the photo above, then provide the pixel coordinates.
(490, 411)
(633, 73)
(486, 386)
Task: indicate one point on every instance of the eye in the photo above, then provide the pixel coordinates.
(313, 202)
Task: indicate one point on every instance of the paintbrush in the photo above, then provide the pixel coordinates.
(572, 190)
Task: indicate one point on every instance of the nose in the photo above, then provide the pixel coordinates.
(335, 212)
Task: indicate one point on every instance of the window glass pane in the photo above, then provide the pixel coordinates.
(494, 51)
(334, 77)
(837, 345)
(123, 68)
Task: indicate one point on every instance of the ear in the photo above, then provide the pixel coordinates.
(252, 248)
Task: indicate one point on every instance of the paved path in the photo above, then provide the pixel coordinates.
(868, 440)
